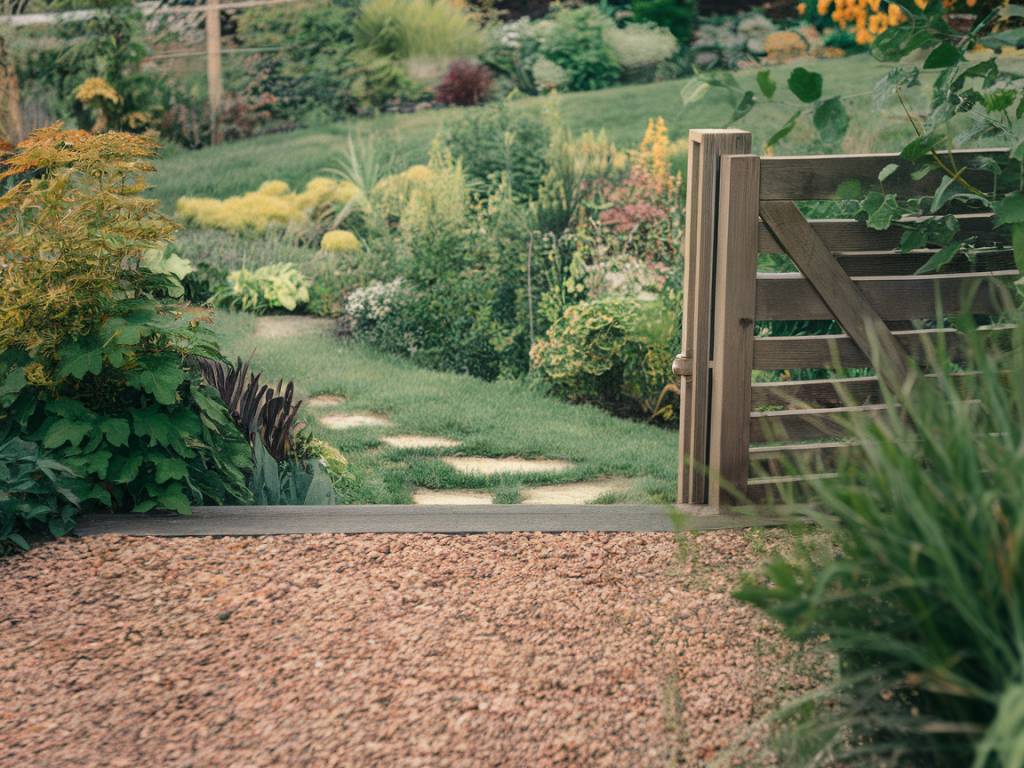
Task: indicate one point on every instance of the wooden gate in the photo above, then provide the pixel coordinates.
(736, 433)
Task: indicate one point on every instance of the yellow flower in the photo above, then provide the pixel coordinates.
(340, 241)
(801, 8)
(96, 88)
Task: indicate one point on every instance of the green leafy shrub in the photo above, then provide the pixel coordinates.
(640, 49)
(919, 594)
(498, 141)
(270, 287)
(575, 42)
(37, 494)
(609, 352)
(312, 67)
(678, 16)
(94, 365)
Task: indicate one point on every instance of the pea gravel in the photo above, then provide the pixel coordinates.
(394, 650)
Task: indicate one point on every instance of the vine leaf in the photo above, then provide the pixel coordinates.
(784, 131)
(940, 259)
(831, 120)
(765, 83)
(805, 85)
(944, 55)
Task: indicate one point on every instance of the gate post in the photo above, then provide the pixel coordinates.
(734, 310)
(706, 148)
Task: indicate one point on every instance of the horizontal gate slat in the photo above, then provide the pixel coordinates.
(850, 235)
(879, 263)
(803, 423)
(817, 392)
(774, 490)
(801, 457)
(773, 353)
(816, 177)
(790, 296)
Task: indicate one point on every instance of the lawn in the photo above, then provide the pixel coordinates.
(622, 112)
(504, 418)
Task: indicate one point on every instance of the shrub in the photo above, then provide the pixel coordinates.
(640, 48)
(549, 76)
(311, 68)
(270, 287)
(465, 84)
(340, 241)
(512, 50)
(919, 595)
(499, 140)
(678, 16)
(94, 364)
(37, 494)
(402, 29)
(602, 352)
(575, 41)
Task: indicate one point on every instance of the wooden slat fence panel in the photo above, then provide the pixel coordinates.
(887, 263)
(790, 296)
(816, 177)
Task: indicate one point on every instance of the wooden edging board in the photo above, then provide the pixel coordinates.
(499, 518)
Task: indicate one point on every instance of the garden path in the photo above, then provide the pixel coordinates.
(503, 650)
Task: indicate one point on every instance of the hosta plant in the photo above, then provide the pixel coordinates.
(274, 286)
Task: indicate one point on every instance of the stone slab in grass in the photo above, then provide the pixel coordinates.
(325, 401)
(419, 441)
(510, 465)
(453, 498)
(353, 420)
(573, 493)
(288, 326)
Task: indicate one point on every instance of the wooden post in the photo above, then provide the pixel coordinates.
(11, 127)
(693, 365)
(735, 295)
(214, 78)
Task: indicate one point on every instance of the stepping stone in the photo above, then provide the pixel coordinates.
(324, 401)
(452, 498)
(573, 493)
(481, 465)
(419, 441)
(352, 420)
(287, 326)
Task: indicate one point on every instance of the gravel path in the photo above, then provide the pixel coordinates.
(405, 650)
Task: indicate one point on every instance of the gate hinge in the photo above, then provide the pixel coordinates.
(682, 366)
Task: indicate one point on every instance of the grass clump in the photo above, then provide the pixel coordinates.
(922, 599)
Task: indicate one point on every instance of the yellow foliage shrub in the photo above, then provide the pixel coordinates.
(783, 46)
(340, 241)
(272, 204)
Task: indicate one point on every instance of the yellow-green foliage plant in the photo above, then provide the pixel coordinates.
(273, 286)
(95, 361)
(340, 241)
(403, 29)
(273, 204)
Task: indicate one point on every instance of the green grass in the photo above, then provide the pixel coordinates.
(505, 418)
(622, 112)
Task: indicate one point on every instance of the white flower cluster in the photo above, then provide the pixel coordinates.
(372, 303)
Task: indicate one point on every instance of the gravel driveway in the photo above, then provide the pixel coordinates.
(405, 650)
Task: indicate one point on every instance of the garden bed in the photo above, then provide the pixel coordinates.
(597, 649)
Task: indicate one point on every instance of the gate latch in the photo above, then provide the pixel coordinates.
(682, 365)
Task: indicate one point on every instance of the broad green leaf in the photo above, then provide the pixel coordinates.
(156, 425)
(173, 497)
(124, 469)
(765, 83)
(94, 463)
(63, 431)
(115, 430)
(880, 209)
(920, 147)
(13, 382)
(888, 171)
(998, 100)
(160, 376)
(944, 55)
(1010, 210)
(81, 358)
(831, 120)
(805, 85)
(745, 104)
(940, 259)
(849, 190)
(897, 42)
(169, 469)
(18, 540)
(784, 131)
